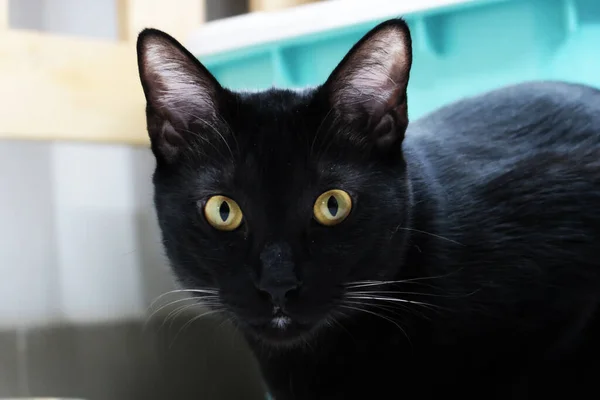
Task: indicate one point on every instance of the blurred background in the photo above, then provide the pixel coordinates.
(80, 256)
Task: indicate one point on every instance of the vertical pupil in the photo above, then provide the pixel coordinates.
(224, 211)
(332, 205)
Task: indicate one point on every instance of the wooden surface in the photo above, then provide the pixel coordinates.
(69, 88)
(3, 14)
(176, 17)
(73, 88)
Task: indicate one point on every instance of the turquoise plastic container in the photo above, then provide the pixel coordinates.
(458, 51)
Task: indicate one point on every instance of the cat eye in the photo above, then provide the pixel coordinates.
(332, 207)
(223, 213)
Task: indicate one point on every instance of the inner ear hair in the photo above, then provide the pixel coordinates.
(181, 94)
(368, 87)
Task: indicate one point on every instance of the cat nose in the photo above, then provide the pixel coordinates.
(278, 280)
(280, 294)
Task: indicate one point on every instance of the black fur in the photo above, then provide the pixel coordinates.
(486, 211)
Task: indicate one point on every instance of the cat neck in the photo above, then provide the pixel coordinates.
(426, 208)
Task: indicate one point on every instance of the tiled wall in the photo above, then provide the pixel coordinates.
(78, 239)
(124, 361)
(80, 261)
(92, 18)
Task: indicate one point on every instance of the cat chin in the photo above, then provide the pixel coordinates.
(285, 343)
(278, 335)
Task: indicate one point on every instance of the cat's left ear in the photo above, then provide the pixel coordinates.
(368, 88)
(181, 94)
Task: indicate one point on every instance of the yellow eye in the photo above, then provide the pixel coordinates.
(223, 213)
(332, 207)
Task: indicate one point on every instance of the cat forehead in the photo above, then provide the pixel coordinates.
(302, 91)
(276, 99)
(274, 119)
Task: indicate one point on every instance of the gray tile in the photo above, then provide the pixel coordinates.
(27, 215)
(124, 361)
(52, 363)
(9, 365)
(99, 362)
(118, 362)
(207, 360)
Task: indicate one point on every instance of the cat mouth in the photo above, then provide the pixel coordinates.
(281, 322)
(281, 328)
(281, 331)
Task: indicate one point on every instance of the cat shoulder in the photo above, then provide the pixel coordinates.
(554, 185)
(521, 104)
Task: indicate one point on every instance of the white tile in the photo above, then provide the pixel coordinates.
(92, 18)
(79, 239)
(95, 209)
(27, 247)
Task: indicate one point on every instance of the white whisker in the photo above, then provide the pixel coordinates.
(194, 319)
(149, 318)
(338, 323)
(394, 308)
(384, 298)
(410, 280)
(380, 316)
(384, 292)
(203, 291)
(176, 313)
(387, 308)
(429, 233)
(392, 299)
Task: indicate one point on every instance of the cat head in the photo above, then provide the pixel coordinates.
(274, 202)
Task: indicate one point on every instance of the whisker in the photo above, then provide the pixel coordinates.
(338, 323)
(379, 292)
(149, 318)
(235, 330)
(428, 233)
(204, 291)
(391, 292)
(388, 299)
(177, 312)
(225, 321)
(410, 280)
(173, 315)
(306, 343)
(394, 308)
(388, 308)
(209, 301)
(380, 316)
(191, 321)
(383, 292)
(428, 306)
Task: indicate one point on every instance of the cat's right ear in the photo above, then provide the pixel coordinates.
(367, 90)
(180, 93)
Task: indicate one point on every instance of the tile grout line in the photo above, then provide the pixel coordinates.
(22, 367)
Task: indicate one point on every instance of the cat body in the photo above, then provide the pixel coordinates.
(365, 257)
(504, 252)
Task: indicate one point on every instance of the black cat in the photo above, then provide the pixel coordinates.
(365, 258)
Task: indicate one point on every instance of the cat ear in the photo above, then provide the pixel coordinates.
(180, 92)
(368, 88)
